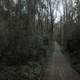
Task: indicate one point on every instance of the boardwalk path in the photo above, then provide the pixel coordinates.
(58, 67)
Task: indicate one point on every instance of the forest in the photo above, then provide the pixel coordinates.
(28, 29)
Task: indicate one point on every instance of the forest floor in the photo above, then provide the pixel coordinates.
(59, 68)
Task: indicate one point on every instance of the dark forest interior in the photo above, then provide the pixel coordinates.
(32, 31)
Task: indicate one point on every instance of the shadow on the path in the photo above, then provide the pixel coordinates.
(59, 68)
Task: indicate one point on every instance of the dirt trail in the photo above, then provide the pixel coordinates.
(58, 67)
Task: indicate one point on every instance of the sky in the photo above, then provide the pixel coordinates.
(15, 1)
(58, 13)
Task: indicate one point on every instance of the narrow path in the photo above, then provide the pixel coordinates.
(58, 67)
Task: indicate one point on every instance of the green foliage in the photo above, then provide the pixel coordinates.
(24, 7)
(18, 47)
(73, 47)
(22, 53)
(31, 71)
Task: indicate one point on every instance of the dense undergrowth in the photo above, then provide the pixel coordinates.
(72, 45)
(23, 57)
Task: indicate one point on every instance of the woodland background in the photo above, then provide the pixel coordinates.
(27, 33)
